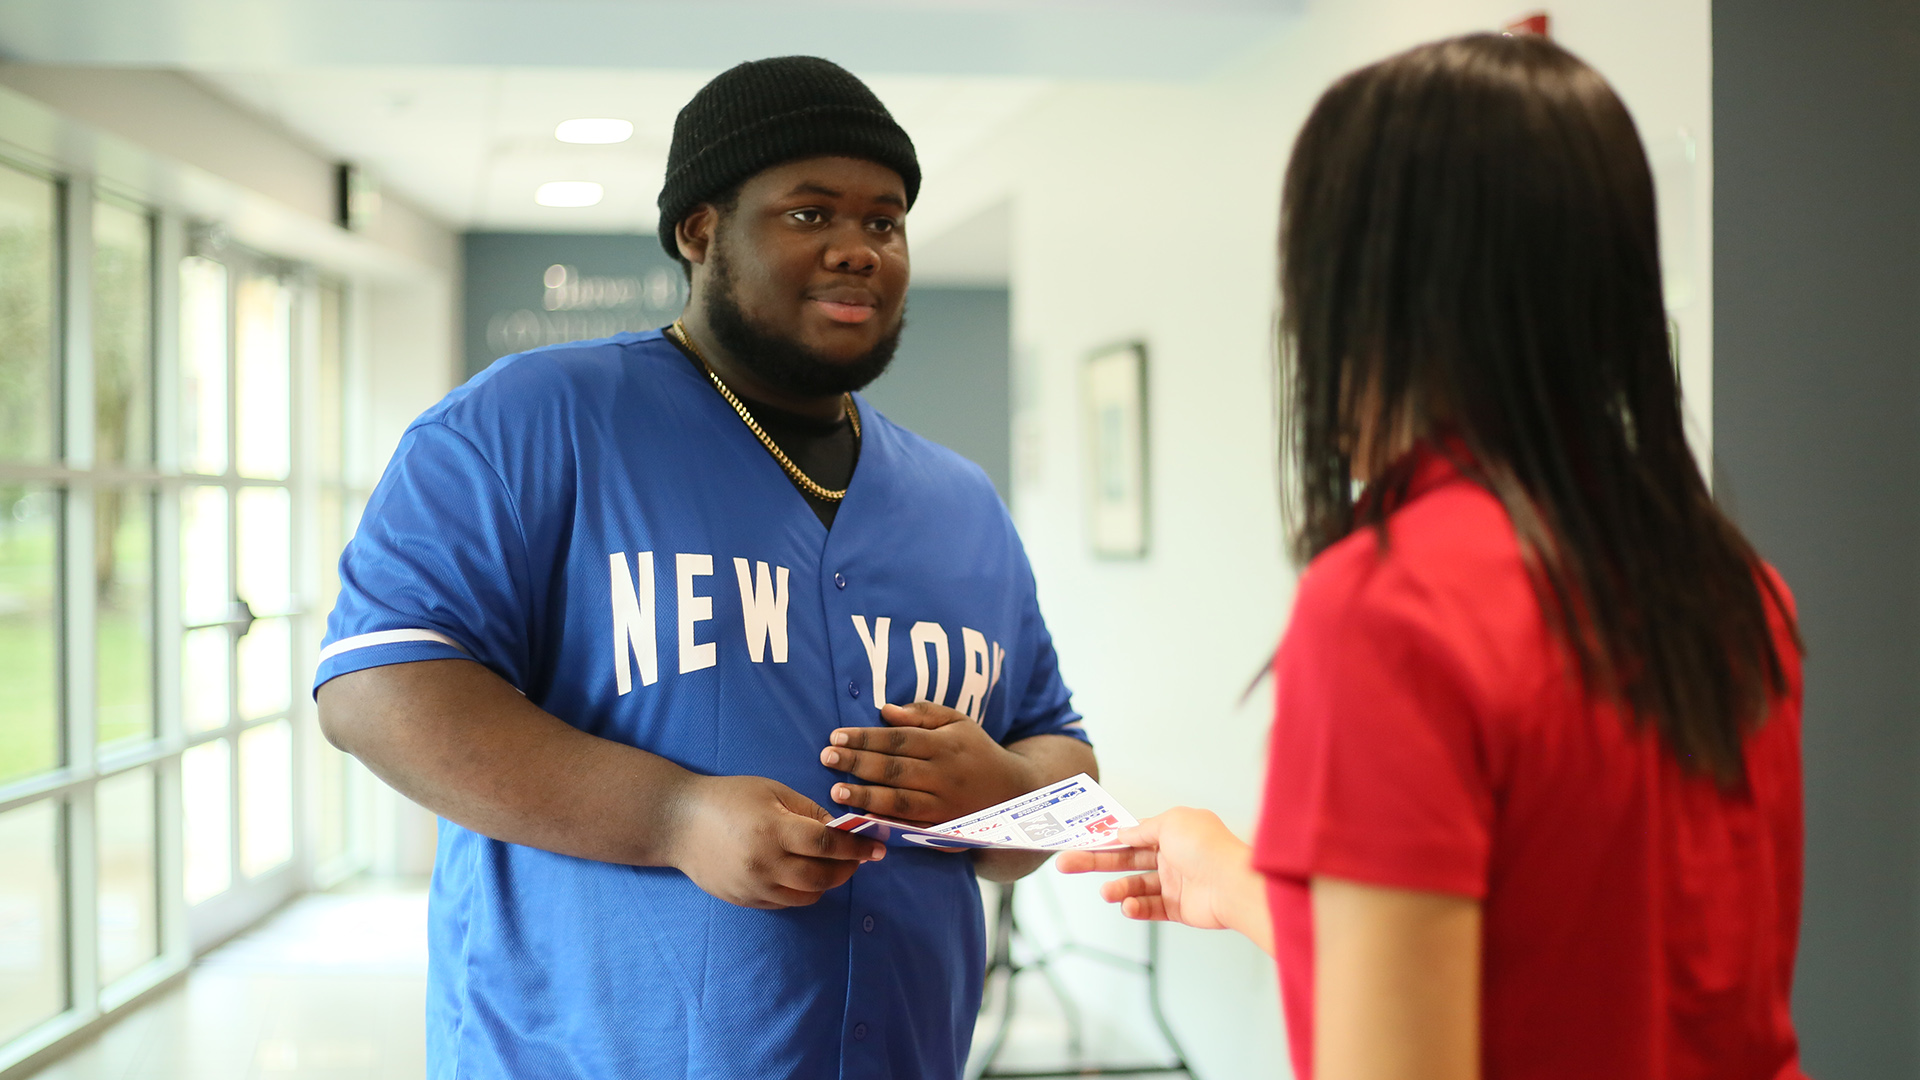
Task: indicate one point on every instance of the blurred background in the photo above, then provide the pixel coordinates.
(244, 242)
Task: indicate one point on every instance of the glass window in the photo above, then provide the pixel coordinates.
(203, 366)
(333, 773)
(123, 579)
(265, 548)
(266, 797)
(205, 596)
(263, 360)
(123, 809)
(264, 551)
(207, 819)
(29, 382)
(332, 512)
(231, 505)
(265, 667)
(329, 412)
(33, 925)
(122, 334)
(205, 656)
(29, 630)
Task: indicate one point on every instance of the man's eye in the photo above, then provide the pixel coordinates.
(884, 225)
(807, 217)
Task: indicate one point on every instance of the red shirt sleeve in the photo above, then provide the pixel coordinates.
(1377, 771)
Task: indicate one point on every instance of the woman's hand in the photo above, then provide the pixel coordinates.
(1196, 872)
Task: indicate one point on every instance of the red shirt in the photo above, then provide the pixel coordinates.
(1429, 733)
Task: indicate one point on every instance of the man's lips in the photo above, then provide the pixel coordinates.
(846, 303)
(842, 311)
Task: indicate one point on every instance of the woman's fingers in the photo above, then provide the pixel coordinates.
(1106, 862)
(1113, 892)
(1142, 840)
(1144, 835)
(1139, 897)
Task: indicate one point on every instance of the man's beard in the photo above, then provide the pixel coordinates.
(781, 363)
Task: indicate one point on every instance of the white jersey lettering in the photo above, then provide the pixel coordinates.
(763, 608)
(633, 623)
(999, 654)
(927, 635)
(974, 678)
(877, 646)
(694, 655)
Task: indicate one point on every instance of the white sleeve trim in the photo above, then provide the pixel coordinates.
(385, 637)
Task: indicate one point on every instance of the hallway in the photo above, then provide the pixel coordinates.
(331, 987)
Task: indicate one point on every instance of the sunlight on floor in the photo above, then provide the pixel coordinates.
(332, 987)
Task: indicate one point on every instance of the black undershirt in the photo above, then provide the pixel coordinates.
(825, 450)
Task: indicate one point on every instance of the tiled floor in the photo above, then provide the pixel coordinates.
(331, 988)
(334, 988)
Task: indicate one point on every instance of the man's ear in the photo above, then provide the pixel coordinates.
(694, 234)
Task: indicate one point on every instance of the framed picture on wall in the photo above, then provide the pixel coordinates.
(1113, 388)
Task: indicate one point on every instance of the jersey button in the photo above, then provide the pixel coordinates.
(867, 924)
(839, 581)
(853, 690)
(859, 1033)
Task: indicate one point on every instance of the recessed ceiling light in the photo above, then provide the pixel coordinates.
(591, 130)
(568, 193)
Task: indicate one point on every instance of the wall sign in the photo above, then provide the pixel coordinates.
(525, 290)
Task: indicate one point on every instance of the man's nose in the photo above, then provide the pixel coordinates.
(852, 251)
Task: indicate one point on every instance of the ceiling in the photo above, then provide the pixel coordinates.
(470, 145)
(1099, 39)
(453, 103)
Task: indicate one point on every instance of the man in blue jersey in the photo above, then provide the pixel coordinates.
(627, 614)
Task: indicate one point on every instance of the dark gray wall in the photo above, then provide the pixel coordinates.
(613, 284)
(1816, 112)
(950, 380)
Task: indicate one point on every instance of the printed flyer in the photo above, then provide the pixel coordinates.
(1073, 813)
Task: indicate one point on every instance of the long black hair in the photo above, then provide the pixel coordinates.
(1469, 253)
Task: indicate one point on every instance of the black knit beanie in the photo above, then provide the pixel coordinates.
(765, 112)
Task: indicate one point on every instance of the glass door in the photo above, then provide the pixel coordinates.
(133, 764)
(337, 786)
(164, 517)
(238, 601)
(87, 768)
(34, 799)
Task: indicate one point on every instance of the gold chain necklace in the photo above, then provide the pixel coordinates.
(807, 484)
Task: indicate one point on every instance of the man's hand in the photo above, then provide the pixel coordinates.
(758, 843)
(933, 764)
(1197, 873)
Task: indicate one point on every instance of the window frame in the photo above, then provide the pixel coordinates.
(82, 764)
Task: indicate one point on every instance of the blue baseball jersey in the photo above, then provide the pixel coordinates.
(594, 524)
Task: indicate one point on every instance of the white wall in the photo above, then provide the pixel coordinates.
(1150, 212)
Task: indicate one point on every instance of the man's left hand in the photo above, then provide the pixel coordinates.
(930, 764)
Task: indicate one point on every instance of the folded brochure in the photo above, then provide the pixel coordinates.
(1073, 813)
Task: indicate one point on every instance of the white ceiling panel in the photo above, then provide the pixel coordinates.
(452, 103)
(1076, 39)
(471, 145)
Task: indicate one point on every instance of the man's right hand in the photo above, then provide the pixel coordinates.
(455, 738)
(758, 843)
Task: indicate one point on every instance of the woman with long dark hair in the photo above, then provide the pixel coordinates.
(1533, 805)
